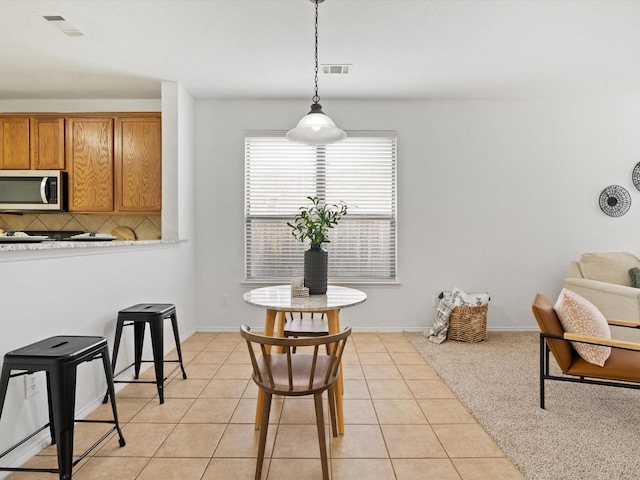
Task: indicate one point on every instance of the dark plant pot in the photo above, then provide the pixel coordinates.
(315, 269)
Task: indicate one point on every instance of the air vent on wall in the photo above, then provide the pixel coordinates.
(64, 25)
(336, 69)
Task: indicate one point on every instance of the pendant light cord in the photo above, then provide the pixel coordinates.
(316, 98)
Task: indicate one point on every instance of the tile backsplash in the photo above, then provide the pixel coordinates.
(145, 227)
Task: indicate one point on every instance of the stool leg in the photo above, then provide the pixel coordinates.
(63, 402)
(116, 344)
(4, 383)
(111, 392)
(157, 341)
(176, 336)
(138, 328)
(52, 428)
(116, 348)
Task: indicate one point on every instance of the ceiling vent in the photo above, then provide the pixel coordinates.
(64, 25)
(336, 69)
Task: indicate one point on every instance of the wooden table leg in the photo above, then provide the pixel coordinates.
(269, 324)
(279, 327)
(333, 320)
(281, 318)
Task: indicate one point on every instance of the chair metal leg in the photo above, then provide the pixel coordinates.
(4, 382)
(63, 396)
(157, 335)
(52, 428)
(176, 336)
(264, 426)
(116, 348)
(138, 329)
(321, 435)
(111, 393)
(543, 364)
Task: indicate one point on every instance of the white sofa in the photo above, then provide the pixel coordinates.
(604, 280)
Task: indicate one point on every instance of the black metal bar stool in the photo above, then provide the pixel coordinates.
(59, 357)
(139, 315)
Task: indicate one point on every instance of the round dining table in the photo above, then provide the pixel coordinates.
(277, 300)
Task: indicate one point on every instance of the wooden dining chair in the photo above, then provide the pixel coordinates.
(300, 324)
(296, 375)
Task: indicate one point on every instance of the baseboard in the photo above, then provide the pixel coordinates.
(370, 329)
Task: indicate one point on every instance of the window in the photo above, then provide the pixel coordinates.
(280, 175)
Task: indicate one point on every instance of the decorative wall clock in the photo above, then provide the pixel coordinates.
(615, 201)
(635, 176)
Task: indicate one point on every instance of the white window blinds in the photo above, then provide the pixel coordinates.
(280, 175)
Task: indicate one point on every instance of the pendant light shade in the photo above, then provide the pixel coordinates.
(316, 128)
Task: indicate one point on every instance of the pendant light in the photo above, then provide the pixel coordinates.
(316, 128)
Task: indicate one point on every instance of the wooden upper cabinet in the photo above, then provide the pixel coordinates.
(47, 143)
(138, 164)
(89, 149)
(14, 143)
(113, 160)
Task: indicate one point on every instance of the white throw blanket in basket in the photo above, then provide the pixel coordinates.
(450, 300)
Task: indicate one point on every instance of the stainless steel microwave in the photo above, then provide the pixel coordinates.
(32, 190)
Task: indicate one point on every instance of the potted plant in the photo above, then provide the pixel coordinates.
(313, 223)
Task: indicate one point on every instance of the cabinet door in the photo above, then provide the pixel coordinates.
(89, 147)
(14, 143)
(138, 164)
(47, 143)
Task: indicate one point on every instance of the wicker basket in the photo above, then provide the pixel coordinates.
(468, 324)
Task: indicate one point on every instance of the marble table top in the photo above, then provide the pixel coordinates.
(279, 298)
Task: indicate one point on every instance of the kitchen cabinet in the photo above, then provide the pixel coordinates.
(89, 156)
(14, 143)
(113, 160)
(31, 143)
(138, 164)
(47, 143)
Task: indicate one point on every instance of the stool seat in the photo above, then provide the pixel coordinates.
(59, 357)
(56, 350)
(139, 316)
(145, 311)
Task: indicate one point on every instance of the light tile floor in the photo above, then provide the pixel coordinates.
(401, 422)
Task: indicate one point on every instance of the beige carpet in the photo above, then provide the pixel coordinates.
(585, 432)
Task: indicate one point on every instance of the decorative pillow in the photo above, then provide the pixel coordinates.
(634, 275)
(459, 297)
(578, 315)
(608, 267)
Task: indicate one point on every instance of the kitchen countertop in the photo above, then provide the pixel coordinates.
(62, 245)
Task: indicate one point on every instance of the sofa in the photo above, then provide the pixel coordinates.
(604, 280)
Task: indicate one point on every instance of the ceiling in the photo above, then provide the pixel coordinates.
(398, 49)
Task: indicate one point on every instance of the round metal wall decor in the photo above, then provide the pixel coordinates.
(615, 201)
(635, 176)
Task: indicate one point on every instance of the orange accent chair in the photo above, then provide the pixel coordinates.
(622, 368)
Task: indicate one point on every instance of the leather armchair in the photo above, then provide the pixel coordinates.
(620, 369)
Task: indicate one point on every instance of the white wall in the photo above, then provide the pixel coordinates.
(495, 196)
(80, 291)
(492, 196)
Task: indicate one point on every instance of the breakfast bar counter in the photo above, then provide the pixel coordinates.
(11, 252)
(57, 245)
